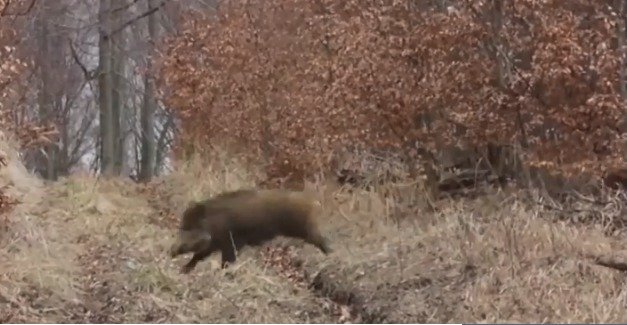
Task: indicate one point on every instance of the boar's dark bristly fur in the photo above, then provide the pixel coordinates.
(229, 221)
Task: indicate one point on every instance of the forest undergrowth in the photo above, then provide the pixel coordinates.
(91, 250)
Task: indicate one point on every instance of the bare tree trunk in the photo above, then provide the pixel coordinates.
(501, 160)
(46, 95)
(163, 143)
(621, 30)
(118, 105)
(105, 82)
(622, 34)
(119, 93)
(149, 107)
(63, 155)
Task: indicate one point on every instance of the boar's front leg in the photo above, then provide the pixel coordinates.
(199, 256)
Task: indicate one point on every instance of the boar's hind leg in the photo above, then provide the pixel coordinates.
(228, 251)
(199, 256)
(315, 238)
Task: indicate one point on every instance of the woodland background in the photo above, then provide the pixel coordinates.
(415, 109)
(299, 86)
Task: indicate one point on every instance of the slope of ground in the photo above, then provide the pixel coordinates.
(83, 250)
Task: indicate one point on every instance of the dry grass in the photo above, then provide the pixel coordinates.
(89, 251)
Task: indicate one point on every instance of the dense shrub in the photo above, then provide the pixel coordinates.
(291, 81)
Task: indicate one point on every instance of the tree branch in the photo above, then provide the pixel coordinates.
(135, 19)
(124, 7)
(4, 12)
(88, 75)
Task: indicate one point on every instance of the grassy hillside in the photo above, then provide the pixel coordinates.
(88, 250)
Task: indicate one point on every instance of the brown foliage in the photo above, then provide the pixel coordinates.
(13, 87)
(293, 80)
(14, 72)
